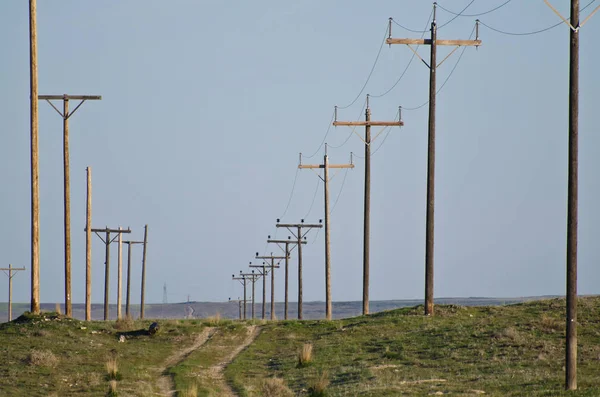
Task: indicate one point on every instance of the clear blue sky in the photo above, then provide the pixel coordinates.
(206, 105)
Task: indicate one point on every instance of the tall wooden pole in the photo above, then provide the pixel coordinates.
(245, 300)
(144, 272)
(240, 308)
(287, 265)
(429, 232)
(367, 211)
(88, 247)
(327, 238)
(67, 209)
(571, 344)
(106, 275)
(128, 292)
(272, 288)
(264, 291)
(299, 237)
(35, 173)
(120, 271)
(253, 282)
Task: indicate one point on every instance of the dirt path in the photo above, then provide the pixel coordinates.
(216, 371)
(165, 382)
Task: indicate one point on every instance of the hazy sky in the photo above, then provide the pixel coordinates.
(206, 105)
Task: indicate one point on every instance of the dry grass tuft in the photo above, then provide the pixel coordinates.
(112, 369)
(190, 391)
(42, 358)
(125, 324)
(318, 387)
(214, 321)
(306, 355)
(551, 324)
(275, 387)
(112, 389)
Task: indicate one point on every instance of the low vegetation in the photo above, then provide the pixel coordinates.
(513, 350)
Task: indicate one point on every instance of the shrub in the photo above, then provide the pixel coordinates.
(125, 324)
(214, 321)
(305, 355)
(275, 387)
(112, 369)
(42, 358)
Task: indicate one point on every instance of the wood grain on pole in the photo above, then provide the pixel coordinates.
(128, 288)
(10, 292)
(245, 298)
(429, 230)
(572, 219)
(327, 241)
(67, 209)
(35, 173)
(88, 247)
(370, 123)
(264, 292)
(119, 273)
(106, 274)
(430, 41)
(367, 213)
(272, 288)
(144, 272)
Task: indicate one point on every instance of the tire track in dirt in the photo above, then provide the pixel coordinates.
(165, 382)
(216, 372)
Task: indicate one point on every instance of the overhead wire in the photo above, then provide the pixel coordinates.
(532, 32)
(313, 199)
(474, 15)
(457, 15)
(291, 194)
(353, 129)
(447, 78)
(370, 73)
(324, 137)
(408, 29)
(408, 64)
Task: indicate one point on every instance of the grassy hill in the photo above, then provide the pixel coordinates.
(514, 350)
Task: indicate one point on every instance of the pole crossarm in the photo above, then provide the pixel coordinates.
(308, 166)
(459, 43)
(65, 97)
(271, 257)
(284, 242)
(303, 225)
(399, 123)
(132, 242)
(11, 269)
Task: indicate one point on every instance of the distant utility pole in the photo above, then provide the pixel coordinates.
(367, 201)
(272, 266)
(128, 292)
(143, 293)
(239, 302)
(35, 167)
(572, 205)
(65, 114)
(88, 247)
(107, 241)
(243, 280)
(433, 42)
(287, 252)
(165, 298)
(252, 277)
(297, 232)
(10, 275)
(326, 166)
(119, 275)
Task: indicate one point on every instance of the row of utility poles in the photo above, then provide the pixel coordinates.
(65, 113)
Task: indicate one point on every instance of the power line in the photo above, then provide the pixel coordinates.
(291, 194)
(324, 137)
(533, 32)
(353, 129)
(371, 72)
(410, 30)
(457, 15)
(447, 78)
(313, 199)
(408, 64)
(340, 192)
(475, 15)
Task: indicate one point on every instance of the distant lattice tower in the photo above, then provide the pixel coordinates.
(165, 299)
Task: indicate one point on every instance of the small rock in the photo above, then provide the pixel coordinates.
(122, 338)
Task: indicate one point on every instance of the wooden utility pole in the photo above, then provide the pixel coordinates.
(242, 279)
(433, 42)
(296, 231)
(35, 168)
(287, 251)
(107, 241)
(143, 293)
(128, 288)
(272, 268)
(239, 302)
(10, 275)
(252, 277)
(326, 166)
(65, 114)
(88, 247)
(119, 274)
(367, 199)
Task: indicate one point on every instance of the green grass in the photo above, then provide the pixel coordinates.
(49, 355)
(513, 350)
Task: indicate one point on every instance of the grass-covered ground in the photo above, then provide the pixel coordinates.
(515, 350)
